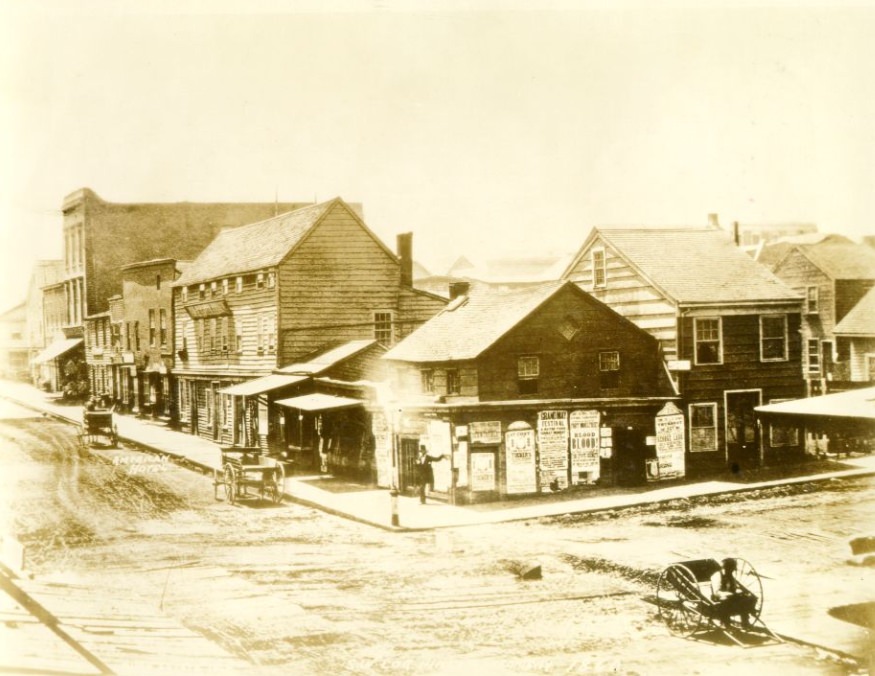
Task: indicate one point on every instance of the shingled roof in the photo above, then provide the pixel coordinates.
(860, 321)
(694, 265)
(842, 260)
(471, 324)
(255, 246)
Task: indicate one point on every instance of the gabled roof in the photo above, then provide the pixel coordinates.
(860, 321)
(841, 260)
(692, 265)
(471, 324)
(255, 246)
(329, 358)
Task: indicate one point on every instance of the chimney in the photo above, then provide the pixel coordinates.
(735, 236)
(405, 256)
(459, 289)
(713, 221)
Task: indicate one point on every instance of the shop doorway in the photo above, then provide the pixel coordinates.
(630, 456)
(407, 469)
(742, 433)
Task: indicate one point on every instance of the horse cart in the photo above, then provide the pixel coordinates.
(704, 595)
(98, 424)
(244, 473)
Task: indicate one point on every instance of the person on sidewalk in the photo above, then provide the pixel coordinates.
(425, 473)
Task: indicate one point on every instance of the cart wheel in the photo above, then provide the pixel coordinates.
(676, 601)
(230, 484)
(278, 483)
(750, 580)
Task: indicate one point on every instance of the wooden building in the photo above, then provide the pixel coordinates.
(45, 273)
(276, 292)
(855, 334)
(521, 391)
(13, 343)
(833, 276)
(728, 327)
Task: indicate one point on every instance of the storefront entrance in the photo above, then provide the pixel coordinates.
(742, 434)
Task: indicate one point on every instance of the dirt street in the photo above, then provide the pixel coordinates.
(294, 590)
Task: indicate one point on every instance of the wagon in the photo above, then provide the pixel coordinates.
(244, 473)
(97, 424)
(689, 603)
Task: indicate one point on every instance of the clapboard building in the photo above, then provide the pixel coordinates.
(728, 327)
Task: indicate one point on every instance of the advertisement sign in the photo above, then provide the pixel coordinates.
(669, 445)
(485, 432)
(519, 445)
(382, 449)
(482, 471)
(584, 441)
(553, 447)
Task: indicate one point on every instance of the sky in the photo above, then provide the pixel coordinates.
(485, 128)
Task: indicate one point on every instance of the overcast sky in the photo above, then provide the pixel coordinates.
(488, 132)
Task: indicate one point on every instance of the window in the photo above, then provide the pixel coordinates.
(271, 280)
(707, 337)
(137, 336)
(213, 290)
(182, 397)
(238, 342)
(208, 341)
(599, 269)
(202, 291)
(609, 370)
(453, 384)
(225, 286)
(185, 326)
(271, 335)
(214, 333)
(383, 327)
(184, 293)
(153, 333)
(813, 355)
(528, 372)
(259, 281)
(157, 282)
(703, 427)
(163, 320)
(261, 329)
(811, 300)
(224, 334)
(127, 335)
(199, 334)
(427, 379)
(782, 435)
(238, 285)
(227, 410)
(773, 338)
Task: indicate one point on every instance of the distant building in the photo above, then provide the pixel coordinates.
(13, 343)
(833, 276)
(38, 335)
(855, 334)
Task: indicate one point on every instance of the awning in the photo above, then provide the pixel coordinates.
(858, 404)
(261, 385)
(319, 402)
(56, 349)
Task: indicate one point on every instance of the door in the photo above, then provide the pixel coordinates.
(407, 470)
(742, 434)
(630, 456)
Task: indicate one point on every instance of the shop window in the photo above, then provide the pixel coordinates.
(599, 269)
(528, 373)
(609, 370)
(703, 427)
(453, 382)
(708, 341)
(773, 337)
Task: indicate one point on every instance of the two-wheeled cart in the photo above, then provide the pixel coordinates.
(245, 473)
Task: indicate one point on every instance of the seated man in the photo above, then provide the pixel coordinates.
(732, 598)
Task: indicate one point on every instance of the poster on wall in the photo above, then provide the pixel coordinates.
(488, 432)
(440, 445)
(606, 442)
(482, 471)
(553, 447)
(519, 445)
(584, 442)
(382, 449)
(669, 445)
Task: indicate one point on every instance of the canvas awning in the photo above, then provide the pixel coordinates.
(261, 385)
(319, 402)
(856, 404)
(56, 349)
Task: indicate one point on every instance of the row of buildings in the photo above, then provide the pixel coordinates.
(292, 328)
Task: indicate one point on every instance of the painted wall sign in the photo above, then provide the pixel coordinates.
(669, 445)
(482, 471)
(584, 441)
(553, 448)
(519, 446)
(485, 432)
